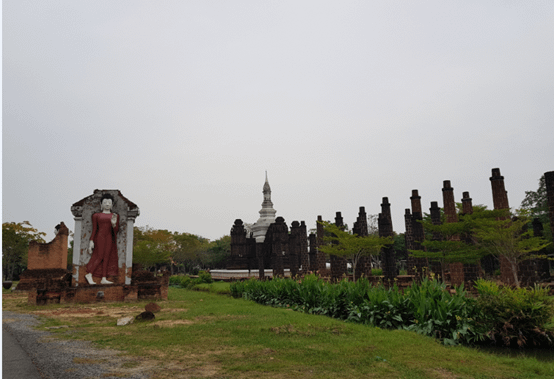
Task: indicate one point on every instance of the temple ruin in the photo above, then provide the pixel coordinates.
(270, 248)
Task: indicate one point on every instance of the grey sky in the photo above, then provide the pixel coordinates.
(183, 105)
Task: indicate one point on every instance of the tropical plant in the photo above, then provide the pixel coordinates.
(520, 316)
(341, 242)
(497, 233)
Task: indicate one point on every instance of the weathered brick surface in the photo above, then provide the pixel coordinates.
(313, 251)
(276, 246)
(416, 266)
(388, 259)
(435, 213)
(304, 257)
(360, 228)
(321, 264)
(499, 193)
(294, 248)
(338, 264)
(456, 269)
(239, 254)
(456, 273)
(500, 201)
(51, 255)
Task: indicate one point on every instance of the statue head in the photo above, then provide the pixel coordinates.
(106, 202)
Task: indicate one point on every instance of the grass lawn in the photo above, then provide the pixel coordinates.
(203, 334)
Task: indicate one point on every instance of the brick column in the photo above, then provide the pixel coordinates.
(303, 244)
(499, 193)
(500, 201)
(457, 268)
(435, 212)
(388, 261)
(279, 246)
(313, 251)
(416, 265)
(472, 271)
(294, 248)
(338, 264)
(321, 261)
(260, 255)
(363, 266)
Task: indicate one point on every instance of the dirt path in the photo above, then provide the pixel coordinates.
(68, 359)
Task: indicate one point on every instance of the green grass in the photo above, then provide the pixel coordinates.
(221, 288)
(209, 335)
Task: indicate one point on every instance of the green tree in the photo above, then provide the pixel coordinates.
(497, 233)
(448, 243)
(341, 242)
(399, 246)
(15, 245)
(152, 247)
(218, 252)
(189, 250)
(536, 203)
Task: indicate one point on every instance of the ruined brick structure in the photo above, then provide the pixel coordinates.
(298, 249)
(435, 213)
(471, 271)
(276, 246)
(283, 249)
(363, 266)
(527, 270)
(321, 263)
(388, 259)
(68, 287)
(415, 235)
(242, 248)
(339, 266)
(47, 263)
(449, 205)
(303, 243)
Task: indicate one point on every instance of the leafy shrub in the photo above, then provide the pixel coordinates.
(205, 277)
(186, 281)
(438, 313)
(427, 307)
(376, 271)
(516, 317)
(175, 280)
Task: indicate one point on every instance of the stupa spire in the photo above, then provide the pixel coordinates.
(267, 214)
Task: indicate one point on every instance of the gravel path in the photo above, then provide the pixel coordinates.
(55, 358)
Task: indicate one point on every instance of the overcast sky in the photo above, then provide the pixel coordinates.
(183, 106)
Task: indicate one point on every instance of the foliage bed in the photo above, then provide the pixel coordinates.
(516, 317)
(185, 281)
(426, 308)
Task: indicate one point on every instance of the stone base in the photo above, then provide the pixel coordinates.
(44, 278)
(80, 280)
(92, 294)
(145, 286)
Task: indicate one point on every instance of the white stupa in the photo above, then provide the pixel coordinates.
(267, 214)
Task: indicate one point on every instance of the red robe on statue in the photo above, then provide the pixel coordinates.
(105, 245)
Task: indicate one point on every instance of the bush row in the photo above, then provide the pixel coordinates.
(185, 281)
(516, 316)
(426, 308)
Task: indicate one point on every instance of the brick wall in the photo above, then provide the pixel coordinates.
(52, 255)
